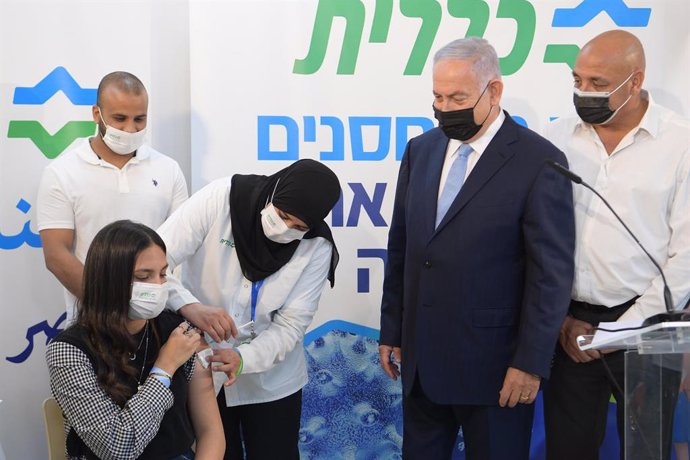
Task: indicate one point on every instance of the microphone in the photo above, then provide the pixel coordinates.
(671, 314)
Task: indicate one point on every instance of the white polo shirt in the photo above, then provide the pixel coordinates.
(81, 192)
(200, 235)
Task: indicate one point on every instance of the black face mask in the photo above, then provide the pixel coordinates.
(594, 108)
(459, 124)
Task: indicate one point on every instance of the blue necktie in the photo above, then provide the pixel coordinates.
(454, 181)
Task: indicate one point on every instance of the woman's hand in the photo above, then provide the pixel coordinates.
(181, 345)
(213, 320)
(230, 363)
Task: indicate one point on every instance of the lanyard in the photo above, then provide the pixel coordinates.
(256, 285)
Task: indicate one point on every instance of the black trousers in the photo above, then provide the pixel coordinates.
(264, 431)
(577, 395)
(490, 432)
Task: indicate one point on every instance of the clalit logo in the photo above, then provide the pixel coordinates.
(52, 145)
(429, 15)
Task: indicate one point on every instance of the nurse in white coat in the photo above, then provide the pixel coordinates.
(257, 254)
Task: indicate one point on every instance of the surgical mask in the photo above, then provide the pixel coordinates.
(148, 300)
(593, 107)
(276, 229)
(121, 142)
(459, 124)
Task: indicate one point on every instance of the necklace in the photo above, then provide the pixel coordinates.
(133, 356)
(146, 351)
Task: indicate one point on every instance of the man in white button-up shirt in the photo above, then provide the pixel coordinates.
(637, 155)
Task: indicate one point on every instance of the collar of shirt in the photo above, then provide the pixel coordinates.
(86, 153)
(478, 147)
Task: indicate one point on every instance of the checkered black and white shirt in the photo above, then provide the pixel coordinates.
(110, 431)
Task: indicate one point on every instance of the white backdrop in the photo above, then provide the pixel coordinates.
(243, 74)
(217, 71)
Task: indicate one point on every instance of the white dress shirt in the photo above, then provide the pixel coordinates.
(646, 180)
(200, 234)
(478, 147)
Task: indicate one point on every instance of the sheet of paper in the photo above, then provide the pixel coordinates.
(614, 331)
(666, 337)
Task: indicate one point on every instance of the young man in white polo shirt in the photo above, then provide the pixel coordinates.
(108, 177)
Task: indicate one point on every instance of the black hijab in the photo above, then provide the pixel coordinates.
(306, 189)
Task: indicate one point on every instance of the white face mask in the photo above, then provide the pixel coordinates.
(276, 229)
(148, 300)
(121, 142)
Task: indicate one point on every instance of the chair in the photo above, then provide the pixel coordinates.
(55, 429)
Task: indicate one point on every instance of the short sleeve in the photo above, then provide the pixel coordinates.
(54, 208)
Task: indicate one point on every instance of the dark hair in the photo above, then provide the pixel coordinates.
(104, 307)
(124, 81)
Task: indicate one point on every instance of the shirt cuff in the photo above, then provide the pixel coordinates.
(162, 376)
(55, 226)
(248, 358)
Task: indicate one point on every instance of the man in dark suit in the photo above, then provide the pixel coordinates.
(480, 267)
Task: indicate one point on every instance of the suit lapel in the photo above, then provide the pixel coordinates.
(497, 153)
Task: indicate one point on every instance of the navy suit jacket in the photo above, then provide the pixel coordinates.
(489, 288)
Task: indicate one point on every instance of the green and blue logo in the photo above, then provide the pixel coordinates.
(478, 12)
(52, 145)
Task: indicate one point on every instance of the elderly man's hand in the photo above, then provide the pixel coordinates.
(518, 387)
(389, 366)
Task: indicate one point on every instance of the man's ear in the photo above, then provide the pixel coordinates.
(496, 91)
(637, 80)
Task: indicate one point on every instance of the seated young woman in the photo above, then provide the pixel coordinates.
(124, 373)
